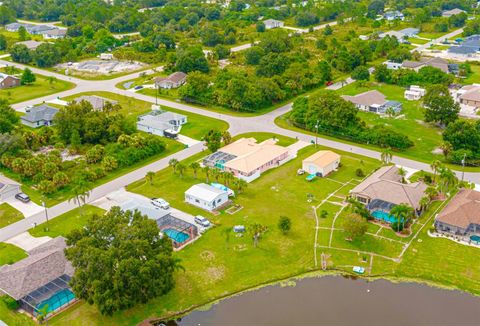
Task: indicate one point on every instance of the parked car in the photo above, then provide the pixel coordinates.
(300, 172)
(138, 87)
(22, 197)
(200, 220)
(160, 203)
(28, 108)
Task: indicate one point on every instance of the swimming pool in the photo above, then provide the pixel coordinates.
(57, 300)
(475, 238)
(384, 216)
(176, 236)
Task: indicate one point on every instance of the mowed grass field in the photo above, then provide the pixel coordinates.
(43, 86)
(9, 215)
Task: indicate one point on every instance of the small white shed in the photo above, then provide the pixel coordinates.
(206, 197)
(321, 163)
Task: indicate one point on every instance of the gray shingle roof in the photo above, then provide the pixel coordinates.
(40, 113)
(97, 102)
(44, 264)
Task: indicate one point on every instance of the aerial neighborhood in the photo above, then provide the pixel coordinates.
(160, 157)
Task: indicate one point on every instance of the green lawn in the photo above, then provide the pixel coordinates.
(41, 87)
(9, 215)
(220, 263)
(197, 125)
(10, 254)
(62, 225)
(13, 318)
(474, 77)
(415, 40)
(262, 136)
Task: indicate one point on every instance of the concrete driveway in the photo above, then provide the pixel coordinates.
(26, 241)
(27, 209)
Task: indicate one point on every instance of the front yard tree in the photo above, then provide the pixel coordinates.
(27, 77)
(149, 177)
(20, 53)
(120, 260)
(8, 117)
(257, 230)
(213, 140)
(361, 73)
(355, 226)
(226, 137)
(440, 106)
(284, 224)
(386, 155)
(194, 166)
(403, 215)
(173, 163)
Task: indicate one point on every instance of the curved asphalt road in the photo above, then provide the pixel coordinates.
(237, 125)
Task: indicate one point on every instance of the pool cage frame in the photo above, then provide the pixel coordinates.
(378, 204)
(218, 159)
(172, 222)
(31, 301)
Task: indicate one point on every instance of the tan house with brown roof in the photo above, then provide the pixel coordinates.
(175, 80)
(247, 159)
(321, 163)
(469, 95)
(439, 63)
(373, 101)
(461, 216)
(384, 188)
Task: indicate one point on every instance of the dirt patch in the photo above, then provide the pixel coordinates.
(215, 273)
(207, 255)
(240, 247)
(437, 150)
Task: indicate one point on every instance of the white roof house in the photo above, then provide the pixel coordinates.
(414, 93)
(161, 123)
(206, 197)
(8, 188)
(273, 23)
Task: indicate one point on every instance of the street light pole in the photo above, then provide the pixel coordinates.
(463, 165)
(156, 93)
(46, 214)
(316, 133)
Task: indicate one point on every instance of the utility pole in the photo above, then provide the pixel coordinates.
(463, 165)
(156, 92)
(46, 214)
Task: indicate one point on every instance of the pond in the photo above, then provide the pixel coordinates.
(336, 300)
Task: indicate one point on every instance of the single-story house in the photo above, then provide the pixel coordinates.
(373, 101)
(166, 222)
(106, 56)
(247, 159)
(468, 47)
(392, 15)
(392, 65)
(8, 188)
(41, 278)
(402, 38)
(39, 29)
(273, 23)
(31, 44)
(384, 189)
(97, 102)
(175, 80)
(414, 93)
(14, 27)
(410, 31)
(39, 116)
(450, 13)
(162, 123)
(206, 197)
(8, 81)
(469, 95)
(54, 34)
(439, 63)
(321, 163)
(461, 216)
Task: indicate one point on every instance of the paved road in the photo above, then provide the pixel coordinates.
(422, 47)
(237, 125)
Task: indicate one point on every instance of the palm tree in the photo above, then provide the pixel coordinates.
(81, 191)
(240, 184)
(181, 169)
(447, 179)
(446, 148)
(431, 192)
(227, 138)
(402, 172)
(215, 174)
(424, 203)
(227, 177)
(173, 163)
(435, 166)
(206, 170)
(194, 166)
(403, 213)
(386, 155)
(149, 177)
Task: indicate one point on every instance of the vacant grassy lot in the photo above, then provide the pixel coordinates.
(9, 215)
(43, 86)
(197, 125)
(10, 254)
(62, 225)
(222, 263)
